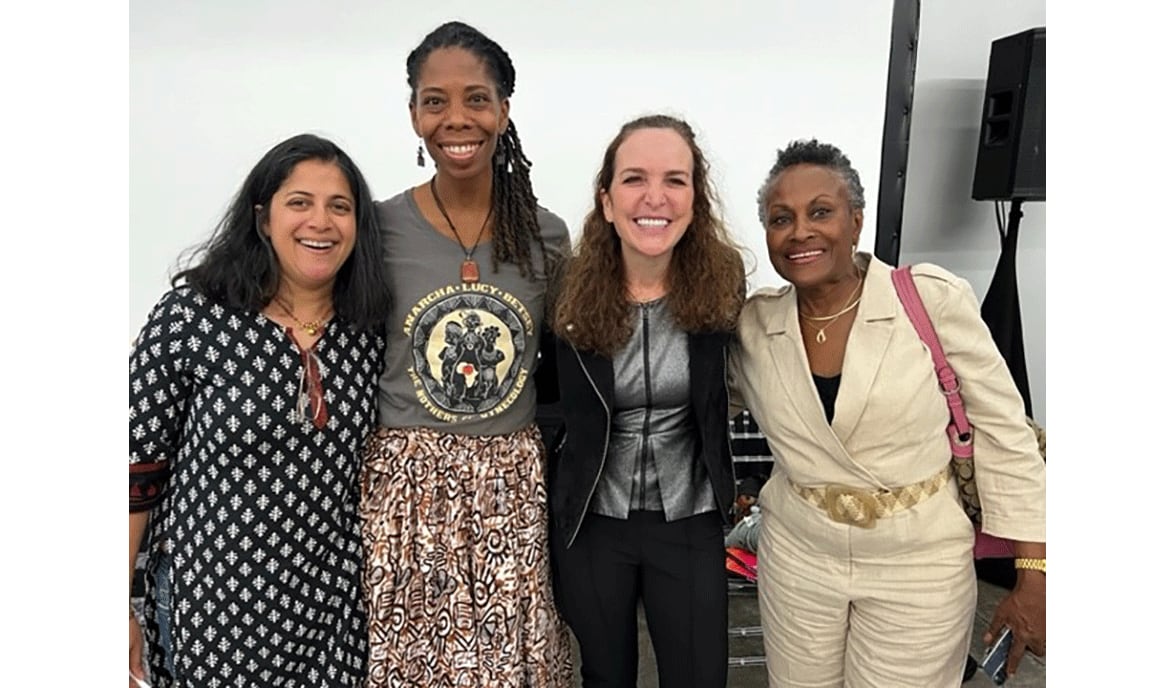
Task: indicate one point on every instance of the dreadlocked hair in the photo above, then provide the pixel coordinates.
(514, 208)
(706, 282)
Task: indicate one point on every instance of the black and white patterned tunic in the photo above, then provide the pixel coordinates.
(253, 575)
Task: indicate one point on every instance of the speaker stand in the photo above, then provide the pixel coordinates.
(1015, 216)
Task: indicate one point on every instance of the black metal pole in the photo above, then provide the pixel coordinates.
(1015, 216)
(896, 128)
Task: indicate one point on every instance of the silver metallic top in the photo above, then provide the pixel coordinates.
(652, 462)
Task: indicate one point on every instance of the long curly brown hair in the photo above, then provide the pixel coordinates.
(706, 279)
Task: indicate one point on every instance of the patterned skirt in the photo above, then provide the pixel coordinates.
(456, 565)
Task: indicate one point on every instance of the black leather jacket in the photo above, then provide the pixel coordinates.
(576, 450)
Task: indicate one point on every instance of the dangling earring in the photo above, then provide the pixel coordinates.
(421, 153)
(500, 152)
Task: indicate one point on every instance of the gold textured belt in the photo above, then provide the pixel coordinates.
(862, 508)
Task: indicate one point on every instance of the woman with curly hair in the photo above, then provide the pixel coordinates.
(643, 481)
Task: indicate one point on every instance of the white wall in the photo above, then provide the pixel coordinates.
(215, 83)
(941, 222)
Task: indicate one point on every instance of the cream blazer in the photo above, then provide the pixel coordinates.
(889, 420)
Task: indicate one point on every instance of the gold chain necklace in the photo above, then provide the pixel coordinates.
(312, 328)
(830, 319)
(469, 267)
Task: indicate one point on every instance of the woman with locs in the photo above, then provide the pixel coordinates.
(454, 502)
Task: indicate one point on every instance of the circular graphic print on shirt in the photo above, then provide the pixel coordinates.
(467, 352)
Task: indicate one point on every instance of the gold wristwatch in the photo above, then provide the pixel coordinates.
(1029, 564)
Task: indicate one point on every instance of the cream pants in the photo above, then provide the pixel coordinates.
(886, 607)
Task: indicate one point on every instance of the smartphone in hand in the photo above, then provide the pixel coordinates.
(997, 657)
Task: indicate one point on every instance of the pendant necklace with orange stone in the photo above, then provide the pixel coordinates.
(469, 266)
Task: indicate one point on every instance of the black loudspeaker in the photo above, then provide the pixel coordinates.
(1010, 162)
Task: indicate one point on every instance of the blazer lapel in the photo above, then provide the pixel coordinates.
(705, 349)
(600, 373)
(788, 355)
(868, 339)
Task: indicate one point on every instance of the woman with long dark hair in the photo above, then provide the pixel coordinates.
(252, 385)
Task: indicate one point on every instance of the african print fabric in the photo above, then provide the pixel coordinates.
(456, 569)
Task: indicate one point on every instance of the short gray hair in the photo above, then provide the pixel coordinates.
(813, 152)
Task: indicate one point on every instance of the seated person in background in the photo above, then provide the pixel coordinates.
(745, 534)
(746, 497)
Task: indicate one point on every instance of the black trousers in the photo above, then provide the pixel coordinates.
(676, 569)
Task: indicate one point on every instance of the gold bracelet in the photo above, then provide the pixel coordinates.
(1030, 564)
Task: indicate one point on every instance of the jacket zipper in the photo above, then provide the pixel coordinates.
(604, 453)
(641, 496)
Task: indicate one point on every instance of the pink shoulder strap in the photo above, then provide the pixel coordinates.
(959, 432)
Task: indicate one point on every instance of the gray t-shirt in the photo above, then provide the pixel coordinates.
(459, 357)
